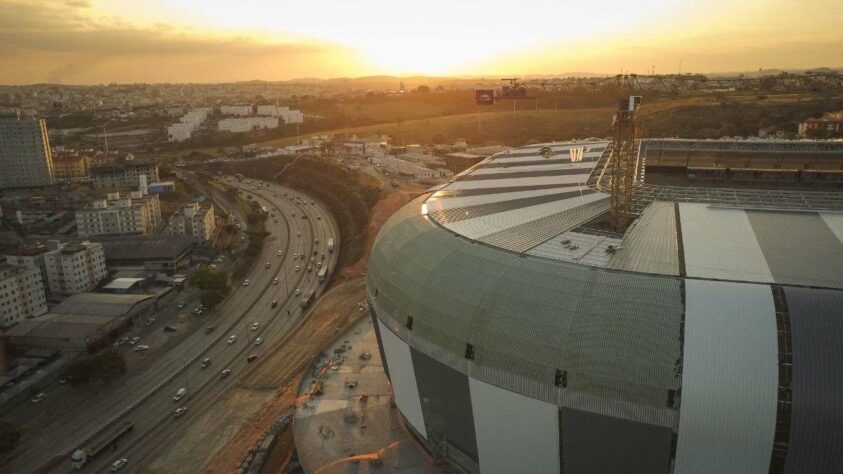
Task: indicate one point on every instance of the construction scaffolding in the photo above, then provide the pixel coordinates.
(622, 160)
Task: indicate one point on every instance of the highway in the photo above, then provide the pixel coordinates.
(147, 398)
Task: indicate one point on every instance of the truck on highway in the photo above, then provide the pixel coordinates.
(330, 244)
(307, 299)
(323, 273)
(85, 454)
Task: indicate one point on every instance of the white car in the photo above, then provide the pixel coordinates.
(39, 398)
(232, 339)
(275, 281)
(280, 253)
(206, 362)
(298, 268)
(295, 256)
(225, 373)
(298, 291)
(255, 326)
(141, 348)
(179, 412)
(180, 393)
(118, 464)
(298, 233)
(245, 282)
(134, 340)
(258, 341)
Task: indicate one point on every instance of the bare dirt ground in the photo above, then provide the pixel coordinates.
(334, 314)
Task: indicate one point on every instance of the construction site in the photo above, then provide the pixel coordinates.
(621, 305)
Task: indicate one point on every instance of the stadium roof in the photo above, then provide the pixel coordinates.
(705, 309)
(528, 203)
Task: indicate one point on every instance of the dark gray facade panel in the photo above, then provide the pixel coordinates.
(816, 425)
(457, 214)
(598, 444)
(380, 341)
(446, 403)
(455, 193)
(517, 164)
(819, 262)
(527, 174)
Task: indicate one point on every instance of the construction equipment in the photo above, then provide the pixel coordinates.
(374, 459)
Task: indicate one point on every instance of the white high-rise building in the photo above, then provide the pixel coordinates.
(21, 294)
(25, 157)
(137, 213)
(246, 124)
(74, 267)
(240, 110)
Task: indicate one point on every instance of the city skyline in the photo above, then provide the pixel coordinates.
(103, 41)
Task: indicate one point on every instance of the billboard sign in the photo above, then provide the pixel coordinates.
(484, 97)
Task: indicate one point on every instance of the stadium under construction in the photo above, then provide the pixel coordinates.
(522, 334)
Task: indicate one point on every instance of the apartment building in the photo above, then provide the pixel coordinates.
(284, 113)
(74, 267)
(241, 110)
(21, 294)
(30, 256)
(246, 124)
(71, 166)
(25, 156)
(124, 175)
(196, 221)
(137, 213)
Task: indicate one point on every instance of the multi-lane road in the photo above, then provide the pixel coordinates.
(146, 399)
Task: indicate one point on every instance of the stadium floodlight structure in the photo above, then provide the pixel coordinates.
(622, 159)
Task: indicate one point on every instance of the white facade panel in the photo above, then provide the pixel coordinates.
(834, 220)
(403, 378)
(727, 419)
(514, 433)
(720, 243)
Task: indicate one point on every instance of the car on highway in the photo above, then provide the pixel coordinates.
(295, 256)
(255, 326)
(309, 268)
(275, 281)
(258, 341)
(298, 268)
(245, 282)
(304, 216)
(118, 464)
(293, 214)
(267, 265)
(179, 412)
(312, 203)
(39, 398)
(225, 373)
(316, 240)
(182, 305)
(134, 340)
(210, 329)
(232, 339)
(280, 253)
(318, 264)
(274, 304)
(319, 217)
(169, 329)
(141, 348)
(298, 233)
(180, 393)
(298, 291)
(251, 358)
(206, 362)
(312, 259)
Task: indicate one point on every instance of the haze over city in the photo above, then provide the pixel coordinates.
(104, 41)
(440, 237)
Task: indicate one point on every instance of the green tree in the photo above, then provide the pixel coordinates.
(211, 298)
(9, 437)
(209, 279)
(104, 366)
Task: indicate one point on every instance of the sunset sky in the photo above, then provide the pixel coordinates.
(101, 41)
